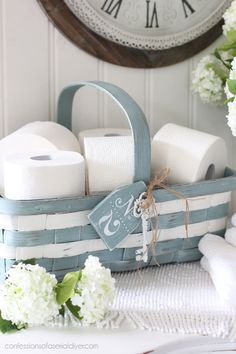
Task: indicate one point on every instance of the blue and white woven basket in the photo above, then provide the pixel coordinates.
(57, 231)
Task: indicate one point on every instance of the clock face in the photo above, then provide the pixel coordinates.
(149, 24)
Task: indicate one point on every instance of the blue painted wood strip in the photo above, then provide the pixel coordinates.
(226, 184)
(166, 251)
(45, 237)
(122, 255)
(48, 206)
(69, 205)
(134, 114)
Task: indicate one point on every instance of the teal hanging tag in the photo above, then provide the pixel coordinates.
(115, 217)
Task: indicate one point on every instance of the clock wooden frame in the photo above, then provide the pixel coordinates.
(112, 52)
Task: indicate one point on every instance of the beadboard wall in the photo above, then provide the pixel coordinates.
(36, 61)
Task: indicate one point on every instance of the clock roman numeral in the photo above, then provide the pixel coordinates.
(188, 9)
(151, 15)
(112, 6)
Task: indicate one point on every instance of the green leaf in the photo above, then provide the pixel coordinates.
(62, 311)
(230, 43)
(233, 53)
(217, 54)
(231, 99)
(74, 309)
(232, 86)
(7, 326)
(227, 46)
(219, 72)
(66, 289)
(231, 36)
(31, 261)
(224, 62)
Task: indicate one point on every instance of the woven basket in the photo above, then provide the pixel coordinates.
(57, 232)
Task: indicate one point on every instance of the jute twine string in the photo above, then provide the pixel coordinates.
(148, 204)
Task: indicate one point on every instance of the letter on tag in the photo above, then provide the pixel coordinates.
(113, 218)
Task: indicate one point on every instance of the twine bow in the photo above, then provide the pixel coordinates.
(148, 207)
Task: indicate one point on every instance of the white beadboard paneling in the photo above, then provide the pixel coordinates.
(52, 70)
(73, 64)
(26, 63)
(171, 95)
(212, 120)
(132, 81)
(2, 66)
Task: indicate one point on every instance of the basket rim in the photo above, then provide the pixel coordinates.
(70, 205)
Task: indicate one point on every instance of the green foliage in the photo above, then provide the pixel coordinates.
(66, 289)
(231, 99)
(231, 36)
(232, 86)
(226, 63)
(74, 309)
(62, 311)
(8, 326)
(31, 261)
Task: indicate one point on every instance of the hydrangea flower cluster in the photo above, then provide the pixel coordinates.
(28, 296)
(230, 18)
(31, 296)
(207, 81)
(216, 73)
(95, 291)
(229, 89)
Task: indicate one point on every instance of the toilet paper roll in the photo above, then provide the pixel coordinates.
(54, 175)
(102, 132)
(21, 143)
(61, 137)
(110, 162)
(191, 155)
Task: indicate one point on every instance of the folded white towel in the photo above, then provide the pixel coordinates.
(233, 220)
(213, 246)
(220, 262)
(230, 236)
(224, 287)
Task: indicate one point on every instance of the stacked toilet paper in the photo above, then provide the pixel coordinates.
(109, 155)
(42, 160)
(61, 137)
(40, 139)
(41, 151)
(101, 133)
(55, 175)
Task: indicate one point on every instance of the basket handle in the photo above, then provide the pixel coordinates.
(134, 114)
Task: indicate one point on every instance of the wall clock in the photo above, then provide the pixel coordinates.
(139, 33)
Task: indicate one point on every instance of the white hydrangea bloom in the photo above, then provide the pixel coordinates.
(28, 295)
(230, 18)
(231, 117)
(232, 73)
(96, 291)
(232, 76)
(206, 82)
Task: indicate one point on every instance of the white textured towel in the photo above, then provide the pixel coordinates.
(216, 247)
(233, 220)
(222, 278)
(173, 298)
(220, 261)
(230, 236)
